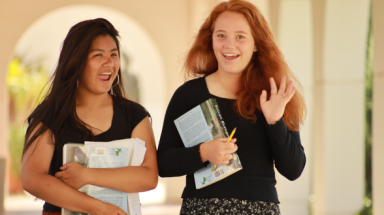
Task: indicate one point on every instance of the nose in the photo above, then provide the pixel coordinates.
(229, 43)
(109, 63)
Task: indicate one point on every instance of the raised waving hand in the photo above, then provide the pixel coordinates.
(273, 109)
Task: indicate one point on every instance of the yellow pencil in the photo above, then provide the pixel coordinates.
(229, 139)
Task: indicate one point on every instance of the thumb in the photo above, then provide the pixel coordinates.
(263, 97)
(58, 174)
(64, 167)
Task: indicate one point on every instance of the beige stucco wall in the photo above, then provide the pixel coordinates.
(295, 40)
(377, 109)
(170, 40)
(324, 43)
(159, 26)
(338, 179)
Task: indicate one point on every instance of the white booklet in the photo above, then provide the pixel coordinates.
(202, 124)
(114, 154)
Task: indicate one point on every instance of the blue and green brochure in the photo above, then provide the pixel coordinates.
(202, 124)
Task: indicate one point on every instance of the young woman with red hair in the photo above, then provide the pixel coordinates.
(235, 60)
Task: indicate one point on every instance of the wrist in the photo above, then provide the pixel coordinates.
(91, 205)
(272, 122)
(97, 207)
(202, 155)
(87, 176)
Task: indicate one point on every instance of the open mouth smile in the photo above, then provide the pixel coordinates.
(230, 56)
(105, 76)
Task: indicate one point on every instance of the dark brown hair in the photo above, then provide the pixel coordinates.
(267, 62)
(59, 104)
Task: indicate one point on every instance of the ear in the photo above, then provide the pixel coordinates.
(255, 48)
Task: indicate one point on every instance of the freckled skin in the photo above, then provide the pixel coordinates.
(232, 35)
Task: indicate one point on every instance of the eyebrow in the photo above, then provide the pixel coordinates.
(101, 50)
(235, 32)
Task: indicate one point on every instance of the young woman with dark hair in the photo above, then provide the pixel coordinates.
(85, 102)
(235, 60)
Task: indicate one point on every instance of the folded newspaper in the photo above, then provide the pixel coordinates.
(202, 124)
(114, 154)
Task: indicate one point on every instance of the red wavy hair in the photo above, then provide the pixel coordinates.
(267, 62)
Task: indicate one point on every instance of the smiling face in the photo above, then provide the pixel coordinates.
(232, 42)
(102, 66)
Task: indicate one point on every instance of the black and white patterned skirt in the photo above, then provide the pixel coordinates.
(219, 206)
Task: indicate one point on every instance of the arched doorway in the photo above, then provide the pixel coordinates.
(42, 42)
(44, 37)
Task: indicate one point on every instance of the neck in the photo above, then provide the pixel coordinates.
(230, 81)
(91, 100)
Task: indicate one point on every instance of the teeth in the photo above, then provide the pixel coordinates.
(231, 55)
(106, 73)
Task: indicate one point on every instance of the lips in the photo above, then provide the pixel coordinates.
(105, 76)
(230, 56)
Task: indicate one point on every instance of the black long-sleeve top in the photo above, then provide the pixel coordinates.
(260, 146)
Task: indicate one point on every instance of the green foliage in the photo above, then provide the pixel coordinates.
(367, 208)
(16, 137)
(24, 83)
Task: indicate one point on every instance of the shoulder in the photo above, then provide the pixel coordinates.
(130, 107)
(130, 111)
(192, 91)
(193, 84)
(42, 115)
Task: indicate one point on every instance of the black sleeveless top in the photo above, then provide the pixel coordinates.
(124, 120)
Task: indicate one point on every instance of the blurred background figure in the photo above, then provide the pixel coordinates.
(327, 43)
(131, 83)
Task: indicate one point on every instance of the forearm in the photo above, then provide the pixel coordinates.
(287, 150)
(178, 161)
(173, 158)
(57, 193)
(130, 179)
(36, 180)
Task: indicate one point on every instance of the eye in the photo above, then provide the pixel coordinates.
(114, 54)
(220, 36)
(98, 55)
(240, 37)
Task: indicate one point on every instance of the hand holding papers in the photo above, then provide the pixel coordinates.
(202, 124)
(114, 154)
(229, 139)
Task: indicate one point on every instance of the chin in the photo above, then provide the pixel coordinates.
(103, 91)
(233, 71)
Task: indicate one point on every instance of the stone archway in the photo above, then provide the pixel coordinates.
(44, 37)
(165, 49)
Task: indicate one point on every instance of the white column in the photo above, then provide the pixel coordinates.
(198, 11)
(377, 109)
(4, 60)
(340, 33)
(274, 14)
(3, 139)
(295, 41)
(263, 6)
